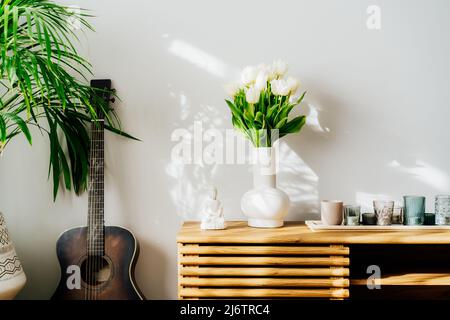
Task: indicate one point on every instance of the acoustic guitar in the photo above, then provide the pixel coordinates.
(97, 262)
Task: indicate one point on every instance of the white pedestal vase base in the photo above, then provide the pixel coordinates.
(262, 223)
(265, 206)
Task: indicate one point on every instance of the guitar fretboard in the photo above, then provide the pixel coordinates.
(96, 222)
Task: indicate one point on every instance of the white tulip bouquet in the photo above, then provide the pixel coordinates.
(261, 103)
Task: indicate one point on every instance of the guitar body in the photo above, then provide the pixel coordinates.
(114, 271)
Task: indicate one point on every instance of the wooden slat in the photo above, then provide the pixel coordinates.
(265, 272)
(265, 261)
(282, 272)
(410, 279)
(180, 276)
(264, 282)
(263, 250)
(264, 293)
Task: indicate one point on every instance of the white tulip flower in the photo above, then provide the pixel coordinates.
(269, 69)
(232, 89)
(280, 87)
(263, 67)
(280, 67)
(293, 99)
(252, 95)
(293, 85)
(261, 80)
(248, 75)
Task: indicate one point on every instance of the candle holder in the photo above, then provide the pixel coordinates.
(352, 215)
(442, 209)
(414, 210)
(369, 219)
(397, 216)
(384, 211)
(430, 219)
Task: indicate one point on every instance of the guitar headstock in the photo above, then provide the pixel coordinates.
(102, 96)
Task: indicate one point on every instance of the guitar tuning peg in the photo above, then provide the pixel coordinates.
(112, 100)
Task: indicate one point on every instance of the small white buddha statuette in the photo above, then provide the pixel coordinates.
(212, 212)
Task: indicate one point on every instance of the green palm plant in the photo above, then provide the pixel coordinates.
(44, 84)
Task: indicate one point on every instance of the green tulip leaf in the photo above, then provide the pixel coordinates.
(293, 126)
(281, 123)
(2, 129)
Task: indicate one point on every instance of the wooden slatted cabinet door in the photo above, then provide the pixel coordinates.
(208, 271)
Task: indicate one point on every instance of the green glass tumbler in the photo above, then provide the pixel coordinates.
(352, 215)
(414, 210)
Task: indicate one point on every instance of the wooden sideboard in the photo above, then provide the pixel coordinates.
(295, 262)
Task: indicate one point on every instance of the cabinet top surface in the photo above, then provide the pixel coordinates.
(298, 232)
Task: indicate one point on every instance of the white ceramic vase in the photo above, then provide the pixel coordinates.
(265, 206)
(12, 277)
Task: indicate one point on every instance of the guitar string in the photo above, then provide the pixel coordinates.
(94, 273)
(99, 203)
(96, 168)
(92, 213)
(91, 225)
(97, 207)
(88, 241)
(93, 232)
(102, 194)
(100, 200)
(93, 239)
(87, 230)
(89, 261)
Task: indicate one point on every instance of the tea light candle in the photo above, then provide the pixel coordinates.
(352, 221)
(430, 219)
(369, 218)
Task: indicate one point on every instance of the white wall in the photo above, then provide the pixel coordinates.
(378, 102)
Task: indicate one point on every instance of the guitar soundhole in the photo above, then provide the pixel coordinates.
(95, 270)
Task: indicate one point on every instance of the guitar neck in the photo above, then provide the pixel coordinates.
(96, 212)
(96, 216)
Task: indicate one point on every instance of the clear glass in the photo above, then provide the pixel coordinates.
(414, 212)
(384, 211)
(352, 215)
(442, 209)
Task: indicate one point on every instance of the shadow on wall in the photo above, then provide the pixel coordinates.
(342, 153)
(300, 182)
(189, 180)
(295, 176)
(360, 154)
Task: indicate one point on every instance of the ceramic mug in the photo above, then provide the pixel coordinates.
(331, 212)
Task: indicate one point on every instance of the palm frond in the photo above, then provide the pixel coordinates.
(44, 83)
